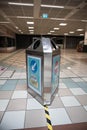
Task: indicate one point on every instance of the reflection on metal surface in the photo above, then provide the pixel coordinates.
(43, 67)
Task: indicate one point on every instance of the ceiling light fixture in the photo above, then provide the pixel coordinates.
(19, 30)
(63, 24)
(49, 33)
(84, 20)
(79, 29)
(52, 31)
(31, 27)
(31, 30)
(5, 22)
(16, 27)
(71, 32)
(30, 4)
(57, 18)
(24, 17)
(56, 28)
(52, 6)
(66, 34)
(22, 4)
(30, 22)
(81, 34)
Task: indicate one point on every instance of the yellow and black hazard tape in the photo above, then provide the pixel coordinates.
(49, 125)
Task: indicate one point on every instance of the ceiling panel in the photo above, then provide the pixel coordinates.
(63, 13)
(2, 18)
(73, 12)
(28, 11)
(74, 2)
(54, 2)
(50, 11)
(81, 14)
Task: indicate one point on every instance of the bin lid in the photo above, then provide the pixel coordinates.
(45, 45)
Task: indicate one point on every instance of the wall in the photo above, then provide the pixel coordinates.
(23, 41)
(72, 41)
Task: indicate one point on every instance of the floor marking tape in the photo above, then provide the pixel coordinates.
(49, 125)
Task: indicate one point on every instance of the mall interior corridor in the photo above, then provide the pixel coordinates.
(19, 110)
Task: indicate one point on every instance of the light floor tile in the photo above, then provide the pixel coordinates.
(19, 94)
(84, 79)
(77, 79)
(82, 84)
(59, 116)
(62, 85)
(77, 91)
(5, 94)
(56, 103)
(35, 118)
(82, 99)
(7, 74)
(64, 92)
(10, 85)
(70, 101)
(33, 104)
(17, 104)
(7, 87)
(30, 96)
(77, 114)
(13, 120)
(21, 87)
(2, 82)
(3, 104)
(85, 107)
(1, 115)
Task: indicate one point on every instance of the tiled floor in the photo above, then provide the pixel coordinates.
(18, 109)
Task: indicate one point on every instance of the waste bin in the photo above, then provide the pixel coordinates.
(43, 68)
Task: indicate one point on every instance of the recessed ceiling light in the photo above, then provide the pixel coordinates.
(31, 30)
(16, 27)
(63, 24)
(79, 29)
(57, 18)
(66, 34)
(52, 6)
(56, 28)
(49, 33)
(71, 32)
(81, 34)
(19, 30)
(5, 22)
(30, 22)
(84, 20)
(22, 4)
(31, 27)
(23, 17)
(52, 31)
(30, 4)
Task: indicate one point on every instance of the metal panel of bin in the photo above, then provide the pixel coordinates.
(43, 68)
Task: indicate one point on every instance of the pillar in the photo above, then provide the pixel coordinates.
(85, 38)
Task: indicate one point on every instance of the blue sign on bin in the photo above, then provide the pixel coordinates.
(34, 73)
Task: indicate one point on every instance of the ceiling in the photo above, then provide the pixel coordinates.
(15, 17)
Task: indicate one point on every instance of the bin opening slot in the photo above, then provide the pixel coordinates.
(53, 44)
(36, 44)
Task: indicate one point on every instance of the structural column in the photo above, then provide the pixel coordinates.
(85, 39)
(64, 42)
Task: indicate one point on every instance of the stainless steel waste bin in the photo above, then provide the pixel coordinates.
(43, 68)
